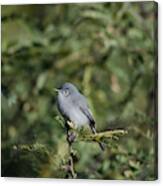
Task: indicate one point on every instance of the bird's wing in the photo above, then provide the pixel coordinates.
(83, 105)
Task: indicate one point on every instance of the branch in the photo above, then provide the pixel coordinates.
(102, 136)
(75, 135)
(71, 135)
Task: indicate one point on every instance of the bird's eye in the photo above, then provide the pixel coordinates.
(66, 92)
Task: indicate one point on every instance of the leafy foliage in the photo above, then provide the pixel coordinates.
(108, 51)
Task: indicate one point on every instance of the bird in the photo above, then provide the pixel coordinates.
(74, 108)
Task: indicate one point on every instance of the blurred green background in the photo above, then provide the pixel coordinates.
(108, 50)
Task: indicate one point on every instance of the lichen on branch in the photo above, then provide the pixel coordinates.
(102, 136)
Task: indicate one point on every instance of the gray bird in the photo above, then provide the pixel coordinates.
(74, 108)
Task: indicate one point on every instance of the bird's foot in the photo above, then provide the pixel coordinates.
(71, 136)
(71, 124)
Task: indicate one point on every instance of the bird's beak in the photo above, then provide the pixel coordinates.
(56, 90)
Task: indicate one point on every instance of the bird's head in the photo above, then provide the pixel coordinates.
(67, 89)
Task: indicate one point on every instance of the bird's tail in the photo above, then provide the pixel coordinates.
(100, 144)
